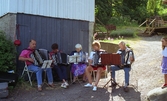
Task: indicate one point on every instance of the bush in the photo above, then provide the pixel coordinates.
(122, 21)
(125, 32)
(7, 53)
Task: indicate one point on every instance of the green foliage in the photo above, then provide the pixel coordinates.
(103, 10)
(7, 53)
(134, 9)
(162, 10)
(123, 32)
(151, 6)
(122, 21)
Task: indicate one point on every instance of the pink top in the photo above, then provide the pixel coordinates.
(26, 54)
(51, 53)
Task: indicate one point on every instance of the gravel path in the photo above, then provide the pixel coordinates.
(145, 76)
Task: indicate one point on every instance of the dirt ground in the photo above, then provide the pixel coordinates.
(145, 76)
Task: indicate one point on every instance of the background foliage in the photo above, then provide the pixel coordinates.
(126, 13)
(7, 53)
(133, 10)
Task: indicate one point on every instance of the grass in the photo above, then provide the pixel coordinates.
(122, 31)
(117, 40)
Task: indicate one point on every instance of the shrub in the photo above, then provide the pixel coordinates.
(122, 32)
(126, 32)
(7, 53)
(122, 21)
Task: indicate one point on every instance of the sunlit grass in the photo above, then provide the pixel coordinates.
(116, 40)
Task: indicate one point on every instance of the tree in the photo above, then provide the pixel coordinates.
(104, 8)
(151, 6)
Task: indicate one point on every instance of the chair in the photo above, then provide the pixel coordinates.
(28, 73)
(105, 71)
(71, 78)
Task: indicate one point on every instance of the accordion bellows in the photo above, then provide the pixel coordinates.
(38, 61)
(111, 59)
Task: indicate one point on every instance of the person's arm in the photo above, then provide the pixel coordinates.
(23, 56)
(90, 59)
(89, 62)
(25, 59)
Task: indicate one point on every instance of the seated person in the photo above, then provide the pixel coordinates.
(59, 68)
(127, 58)
(78, 68)
(25, 56)
(96, 46)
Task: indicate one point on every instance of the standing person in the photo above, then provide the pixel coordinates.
(127, 58)
(25, 56)
(164, 60)
(59, 68)
(96, 47)
(79, 68)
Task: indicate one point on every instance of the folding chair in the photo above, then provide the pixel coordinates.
(28, 73)
(71, 78)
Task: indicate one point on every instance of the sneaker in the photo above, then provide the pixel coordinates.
(126, 85)
(63, 85)
(66, 84)
(88, 85)
(126, 89)
(39, 89)
(94, 88)
(52, 85)
(164, 85)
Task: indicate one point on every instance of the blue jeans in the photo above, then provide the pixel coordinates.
(126, 70)
(38, 72)
(61, 71)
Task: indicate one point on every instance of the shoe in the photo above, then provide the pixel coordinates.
(52, 85)
(88, 85)
(39, 89)
(63, 85)
(66, 84)
(94, 88)
(126, 89)
(164, 85)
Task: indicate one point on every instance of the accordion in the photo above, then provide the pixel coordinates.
(60, 59)
(36, 56)
(96, 61)
(111, 59)
(81, 57)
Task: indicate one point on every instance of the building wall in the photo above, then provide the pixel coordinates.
(68, 9)
(7, 24)
(46, 31)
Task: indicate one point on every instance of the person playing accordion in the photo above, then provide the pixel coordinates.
(25, 56)
(127, 58)
(59, 68)
(79, 68)
(92, 65)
